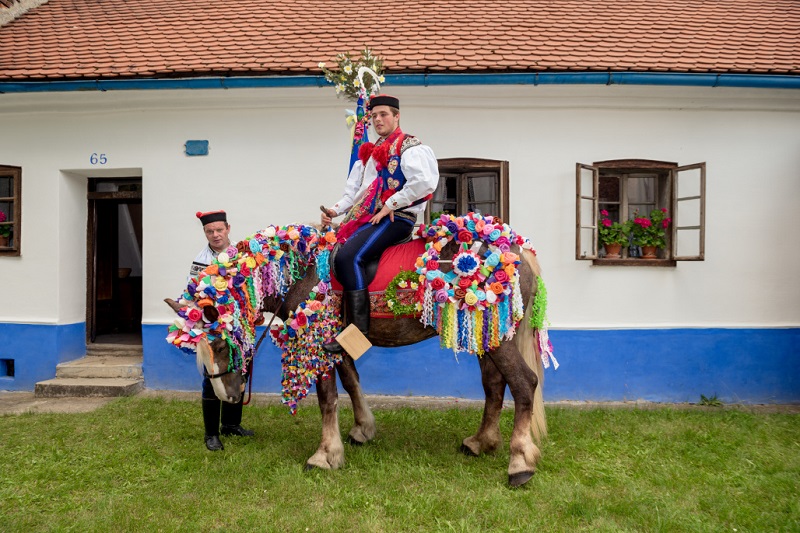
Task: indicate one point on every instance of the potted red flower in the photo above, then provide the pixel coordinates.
(651, 232)
(613, 235)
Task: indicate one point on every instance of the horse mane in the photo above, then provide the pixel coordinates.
(225, 299)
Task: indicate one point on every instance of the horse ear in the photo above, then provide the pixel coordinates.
(211, 313)
(175, 306)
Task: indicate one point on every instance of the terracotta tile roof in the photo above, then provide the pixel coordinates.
(86, 39)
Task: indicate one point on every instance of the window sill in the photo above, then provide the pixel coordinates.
(635, 262)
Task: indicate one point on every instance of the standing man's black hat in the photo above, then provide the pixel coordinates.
(212, 216)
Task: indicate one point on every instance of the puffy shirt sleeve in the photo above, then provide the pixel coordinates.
(421, 170)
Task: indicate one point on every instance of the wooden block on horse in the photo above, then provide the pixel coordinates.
(353, 341)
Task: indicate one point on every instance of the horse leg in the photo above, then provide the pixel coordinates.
(522, 381)
(330, 454)
(488, 438)
(363, 429)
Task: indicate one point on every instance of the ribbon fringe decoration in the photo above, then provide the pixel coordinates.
(224, 301)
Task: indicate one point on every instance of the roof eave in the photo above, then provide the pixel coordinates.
(763, 81)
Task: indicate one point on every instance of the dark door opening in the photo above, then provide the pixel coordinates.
(114, 261)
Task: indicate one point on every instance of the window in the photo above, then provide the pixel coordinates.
(10, 210)
(477, 185)
(634, 187)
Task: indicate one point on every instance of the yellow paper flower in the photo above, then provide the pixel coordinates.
(470, 298)
(220, 283)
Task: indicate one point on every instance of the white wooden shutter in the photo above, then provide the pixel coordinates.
(587, 185)
(689, 218)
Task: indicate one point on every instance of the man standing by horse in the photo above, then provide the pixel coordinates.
(385, 191)
(217, 231)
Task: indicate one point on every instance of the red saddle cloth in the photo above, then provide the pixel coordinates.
(394, 259)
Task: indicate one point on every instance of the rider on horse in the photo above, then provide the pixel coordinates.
(386, 189)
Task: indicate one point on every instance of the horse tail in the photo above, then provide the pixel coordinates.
(525, 339)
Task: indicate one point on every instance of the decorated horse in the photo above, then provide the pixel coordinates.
(471, 280)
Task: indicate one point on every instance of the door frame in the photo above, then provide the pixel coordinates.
(93, 197)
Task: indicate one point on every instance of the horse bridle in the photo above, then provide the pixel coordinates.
(255, 351)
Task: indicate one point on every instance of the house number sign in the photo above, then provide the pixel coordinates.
(98, 159)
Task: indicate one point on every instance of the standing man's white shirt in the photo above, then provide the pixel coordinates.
(203, 259)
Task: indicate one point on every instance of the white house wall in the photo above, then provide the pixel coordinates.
(277, 154)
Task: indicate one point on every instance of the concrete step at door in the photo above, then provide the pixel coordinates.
(88, 387)
(120, 350)
(102, 366)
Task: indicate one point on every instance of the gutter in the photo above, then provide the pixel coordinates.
(758, 81)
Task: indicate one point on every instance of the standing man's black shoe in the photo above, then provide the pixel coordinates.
(237, 431)
(232, 420)
(213, 443)
(211, 423)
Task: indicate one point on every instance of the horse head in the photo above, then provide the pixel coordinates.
(216, 358)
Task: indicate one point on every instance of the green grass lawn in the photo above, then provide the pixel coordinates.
(139, 464)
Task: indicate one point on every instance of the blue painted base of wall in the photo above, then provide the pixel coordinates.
(659, 365)
(677, 365)
(36, 349)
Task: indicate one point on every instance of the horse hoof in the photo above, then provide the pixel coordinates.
(466, 450)
(309, 466)
(354, 442)
(519, 479)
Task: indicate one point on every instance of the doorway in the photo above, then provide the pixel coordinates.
(114, 261)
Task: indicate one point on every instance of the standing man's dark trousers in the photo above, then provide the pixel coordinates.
(231, 418)
(365, 245)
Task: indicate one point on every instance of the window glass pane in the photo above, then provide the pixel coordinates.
(613, 211)
(484, 208)
(482, 194)
(688, 212)
(688, 184)
(588, 246)
(587, 213)
(642, 190)
(6, 186)
(114, 185)
(482, 188)
(445, 198)
(8, 209)
(688, 243)
(609, 189)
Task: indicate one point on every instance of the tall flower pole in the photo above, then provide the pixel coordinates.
(349, 80)
(360, 130)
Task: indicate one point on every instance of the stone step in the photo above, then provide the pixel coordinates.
(102, 366)
(120, 350)
(88, 387)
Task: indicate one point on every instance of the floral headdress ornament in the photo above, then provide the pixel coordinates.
(349, 78)
(357, 80)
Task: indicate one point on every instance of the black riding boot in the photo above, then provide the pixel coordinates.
(211, 422)
(232, 420)
(356, 311)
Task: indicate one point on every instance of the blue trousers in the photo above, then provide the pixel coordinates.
(366, 244)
